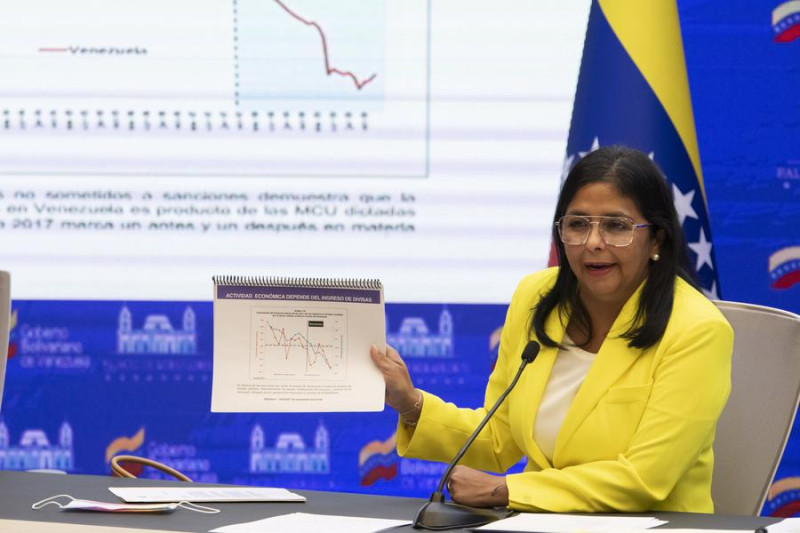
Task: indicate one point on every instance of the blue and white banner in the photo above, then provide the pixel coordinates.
(633, 90)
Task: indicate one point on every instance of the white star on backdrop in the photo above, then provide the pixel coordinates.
(703, 250)
(567, 166)
(595, 146)
(683, 203)
(712, 292)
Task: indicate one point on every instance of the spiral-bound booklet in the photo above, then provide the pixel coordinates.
(296, 344)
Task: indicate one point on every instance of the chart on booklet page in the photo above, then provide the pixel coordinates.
(290, 344)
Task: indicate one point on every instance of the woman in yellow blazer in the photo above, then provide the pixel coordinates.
(618, 411)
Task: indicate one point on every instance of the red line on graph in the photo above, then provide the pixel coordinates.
(53, 49)
(328, 68)
(302, 342)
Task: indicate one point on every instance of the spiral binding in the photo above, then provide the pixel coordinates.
(283, 281)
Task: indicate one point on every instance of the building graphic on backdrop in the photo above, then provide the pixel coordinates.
(35, 451)
(414, 339)
(290, 454)
(157, 335)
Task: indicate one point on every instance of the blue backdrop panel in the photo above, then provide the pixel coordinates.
(744, 84)
(744, 91)
(88, 380)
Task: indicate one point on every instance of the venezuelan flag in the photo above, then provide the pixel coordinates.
(378, 460)
(784, 498)
(633, 90)
(786, 21)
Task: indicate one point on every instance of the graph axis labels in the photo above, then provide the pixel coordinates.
(251, 88)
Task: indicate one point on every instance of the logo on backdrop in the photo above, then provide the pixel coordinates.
(13, 343)
(125, 444)
(46, 347)
(183, 458)
(377, 460)
(35, 451)
(414, 339)
(784, 498)
(422, 476)
(158, 351)
(157, 336)
(784, 267)
(788, 173)
(786, 21)
(429, 355)
(290, 454)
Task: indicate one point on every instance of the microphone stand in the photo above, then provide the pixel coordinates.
(439, 514)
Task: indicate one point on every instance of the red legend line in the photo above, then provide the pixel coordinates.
(53, 49)
(301, 342)
(330, 70)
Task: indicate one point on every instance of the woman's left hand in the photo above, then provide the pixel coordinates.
(468, 486)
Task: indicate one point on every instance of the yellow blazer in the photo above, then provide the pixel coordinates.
(637, 436)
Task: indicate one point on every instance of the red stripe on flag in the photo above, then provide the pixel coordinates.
(785, 511)
(787, 280)
(788, 35)
(379, 472)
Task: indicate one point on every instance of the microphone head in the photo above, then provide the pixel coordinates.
(530, 352)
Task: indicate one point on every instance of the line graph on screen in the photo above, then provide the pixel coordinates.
(243, 87)
(329, 70)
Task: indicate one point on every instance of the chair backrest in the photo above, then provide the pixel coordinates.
(754, 427)
(119, 463)
(5, 324)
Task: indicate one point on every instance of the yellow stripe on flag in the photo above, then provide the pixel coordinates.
(787, 8)
(651, 34)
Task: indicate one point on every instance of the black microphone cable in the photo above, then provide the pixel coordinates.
(438, 514)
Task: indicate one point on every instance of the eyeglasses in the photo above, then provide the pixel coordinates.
(615, 231)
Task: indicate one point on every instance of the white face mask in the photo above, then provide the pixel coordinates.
(74, 504)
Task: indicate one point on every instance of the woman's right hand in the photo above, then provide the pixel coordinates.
(400, 392)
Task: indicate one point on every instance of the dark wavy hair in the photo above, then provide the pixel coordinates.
(637, 177)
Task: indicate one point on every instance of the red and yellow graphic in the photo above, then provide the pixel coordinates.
(784, 497)
(786, 21)
(378, 460)
(13, 345)
(126, 444)
(784, 267)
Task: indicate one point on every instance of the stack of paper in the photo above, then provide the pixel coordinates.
(787, 525)
(205, 494)
(564, 523)
(313, 523)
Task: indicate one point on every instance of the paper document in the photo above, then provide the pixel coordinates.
(787, 525)
(690, 530)
(296, 345)
(204, 494)
(313, 523)
(29, 526)
(563, 523)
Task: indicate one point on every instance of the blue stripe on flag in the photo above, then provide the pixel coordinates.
(615, 105)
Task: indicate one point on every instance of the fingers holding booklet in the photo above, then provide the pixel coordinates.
(297, 344)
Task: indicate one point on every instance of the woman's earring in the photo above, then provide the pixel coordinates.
(655, 258)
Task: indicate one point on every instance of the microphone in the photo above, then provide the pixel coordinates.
(439, 514)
